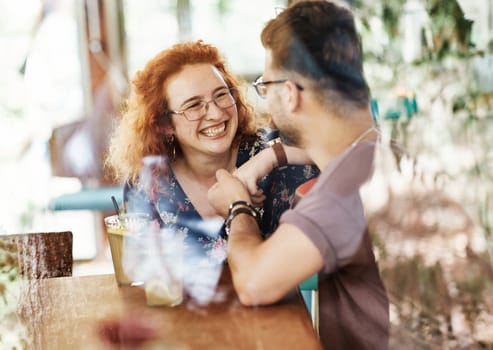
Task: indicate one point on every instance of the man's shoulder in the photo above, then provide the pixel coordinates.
(350, 170)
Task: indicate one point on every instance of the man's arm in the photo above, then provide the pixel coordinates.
(264, 162)
(263, 271)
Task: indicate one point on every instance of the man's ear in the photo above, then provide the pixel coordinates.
(293, 96)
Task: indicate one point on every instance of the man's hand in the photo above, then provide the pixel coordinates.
(225, 191)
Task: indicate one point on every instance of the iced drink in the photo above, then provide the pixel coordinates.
(122, 226)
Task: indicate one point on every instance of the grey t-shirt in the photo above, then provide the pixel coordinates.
(353, 304)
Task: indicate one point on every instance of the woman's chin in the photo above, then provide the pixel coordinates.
(220, 148)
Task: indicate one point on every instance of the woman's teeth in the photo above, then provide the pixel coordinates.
(214, 131)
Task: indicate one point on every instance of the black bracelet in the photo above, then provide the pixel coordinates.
(234, 210)
(242, 203)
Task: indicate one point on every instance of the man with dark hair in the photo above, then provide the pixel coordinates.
(318, 97)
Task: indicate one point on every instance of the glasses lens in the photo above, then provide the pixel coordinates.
(224, 99)
(195, 111)
(260, 87)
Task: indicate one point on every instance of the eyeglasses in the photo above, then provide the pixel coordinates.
(197, 109)
(261, 86)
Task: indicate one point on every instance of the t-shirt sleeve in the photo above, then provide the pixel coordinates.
(333, 224)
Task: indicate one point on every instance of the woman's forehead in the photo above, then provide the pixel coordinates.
(197, 79)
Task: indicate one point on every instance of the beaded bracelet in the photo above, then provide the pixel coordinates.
(240, 207)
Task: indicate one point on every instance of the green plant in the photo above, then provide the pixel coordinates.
(10, 290)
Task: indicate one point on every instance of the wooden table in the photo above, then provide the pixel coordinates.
(68, 313)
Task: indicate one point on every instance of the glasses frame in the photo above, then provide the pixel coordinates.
(205, 107)
(259, 84)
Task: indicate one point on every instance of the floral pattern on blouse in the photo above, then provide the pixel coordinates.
(205, 240)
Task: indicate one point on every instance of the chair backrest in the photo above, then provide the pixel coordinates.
(309, 287)
(303, 189)
(311, 283)
(40, 254)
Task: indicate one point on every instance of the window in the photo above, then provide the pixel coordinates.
(233, 26)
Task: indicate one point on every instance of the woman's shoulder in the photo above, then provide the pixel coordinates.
(259, 140)
(250, 145)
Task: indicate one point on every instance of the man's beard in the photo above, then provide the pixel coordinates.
(290, 137)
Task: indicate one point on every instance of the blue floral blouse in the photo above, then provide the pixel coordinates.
(205, 240)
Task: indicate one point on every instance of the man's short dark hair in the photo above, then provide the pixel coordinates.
(319, 40)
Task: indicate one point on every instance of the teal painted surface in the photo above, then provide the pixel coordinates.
(310, 283)
(307, 298)
(88, 199)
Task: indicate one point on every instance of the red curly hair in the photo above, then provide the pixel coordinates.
(145, 122)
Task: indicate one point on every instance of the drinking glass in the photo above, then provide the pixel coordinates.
(124, 231)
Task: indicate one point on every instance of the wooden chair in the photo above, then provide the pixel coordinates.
(40, 254)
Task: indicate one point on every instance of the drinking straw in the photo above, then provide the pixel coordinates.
(115, 204)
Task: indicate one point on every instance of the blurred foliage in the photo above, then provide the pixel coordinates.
(441, 291)
(451, 30)
(391, 11)
(13, 334)
(9, 270)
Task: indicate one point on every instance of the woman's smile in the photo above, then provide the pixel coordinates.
(215, 130)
